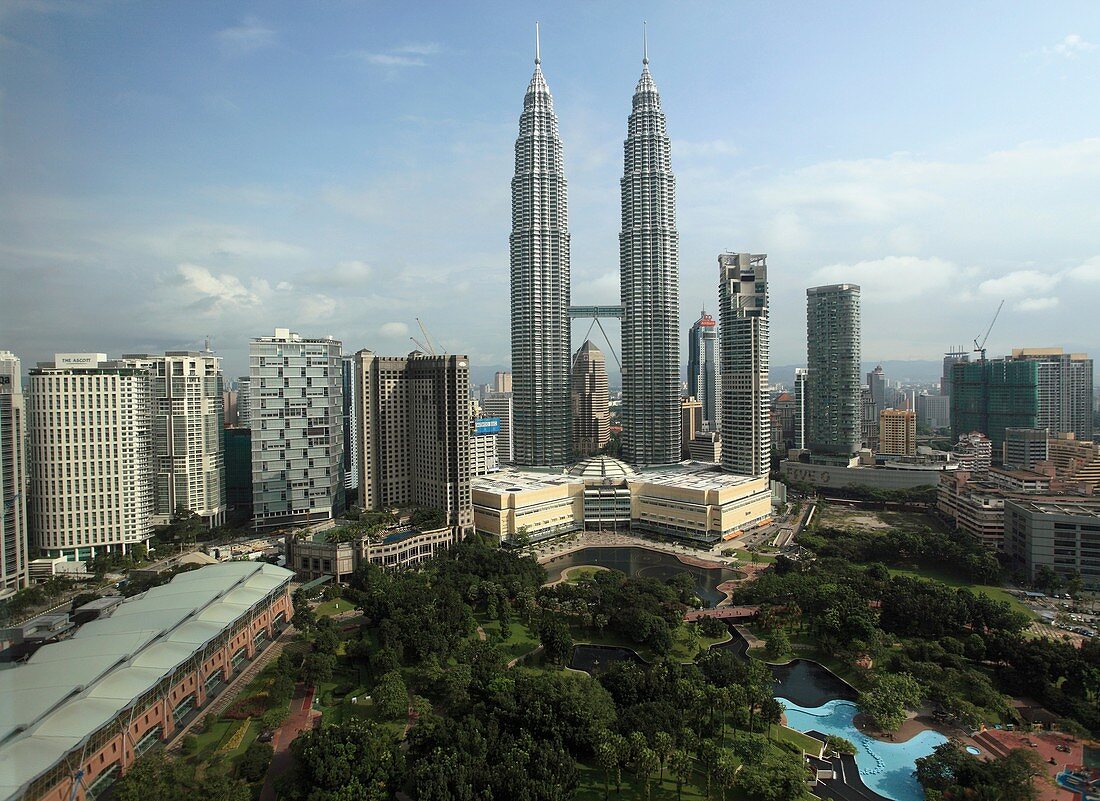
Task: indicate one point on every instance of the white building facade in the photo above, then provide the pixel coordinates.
(90, 455)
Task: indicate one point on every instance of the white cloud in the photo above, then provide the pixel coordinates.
(1072, 46)
(394, 330)
(1017, 283)
(701, 150)
(1088, 272)
(224, 289)
(894, 278)
(248, 36)
(1036, 304)
(409, 55)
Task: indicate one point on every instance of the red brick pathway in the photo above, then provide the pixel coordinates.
(302, 717)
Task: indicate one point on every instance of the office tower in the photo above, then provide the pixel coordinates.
(351, 449)
(539, 247)
(703, 367)
(706, 447)
(90, 456)
(1058, 534)
(743, 347)
(188, 461)
(833, 352)
(297, 413)
(591, 410)
(650, 285)
(13, 476)
(229, 408)
(414, 429)
(882, 397)
(897, 432)
(238, 472)
(934, 411)
(1024, 448)
(1065, 384)
(949, 360)
(483, 445)
(244, 402)
(800, 400)
(868, 419)
(502, 382)
(501, 406)
(691, 424)
(784, 410)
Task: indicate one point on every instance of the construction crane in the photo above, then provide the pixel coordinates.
(980, 348)
(428, 339)
(420, 346)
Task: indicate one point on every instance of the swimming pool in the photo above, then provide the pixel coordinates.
(886, 768)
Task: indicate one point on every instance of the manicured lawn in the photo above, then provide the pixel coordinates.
(804, 741)
(996, 593)
(334, 607)
(519, 640)
(583, 572)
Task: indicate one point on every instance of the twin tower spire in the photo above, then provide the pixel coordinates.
(540, 289)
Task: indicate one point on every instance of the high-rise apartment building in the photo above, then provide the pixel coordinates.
(500, 405)
(502, 381)
(833, 354)
(800, 400)
(650, 285)
(244, 402)
(539, 248)
(1032, 388)
(897, 432)
(1065, 384)
(591, 409)
(703, 367)
(13, 476)
(297, 429)
(743, 337)
(415, 426)
(351, 448)
(188, 458)
(90, 455)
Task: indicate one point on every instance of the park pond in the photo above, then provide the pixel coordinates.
(636, 561)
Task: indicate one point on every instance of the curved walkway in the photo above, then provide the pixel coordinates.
(302, 717)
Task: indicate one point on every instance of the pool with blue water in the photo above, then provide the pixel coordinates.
(886, 768)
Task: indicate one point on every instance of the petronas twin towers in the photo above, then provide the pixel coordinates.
(649, 285)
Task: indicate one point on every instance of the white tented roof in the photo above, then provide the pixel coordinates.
(69, 689)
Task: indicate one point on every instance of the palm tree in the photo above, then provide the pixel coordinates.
(644, 764)
(679, 762)
(662, 744)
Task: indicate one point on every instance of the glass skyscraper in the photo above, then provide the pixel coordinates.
(650, 285)
(703, 367)
(833, 383)
(539, 248)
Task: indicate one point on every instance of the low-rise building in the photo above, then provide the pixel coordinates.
(691, 501)
(706, 447)
(974, 452)
(80, 711)
(1062, 534)
(1075, 459)
(923, 469)
(338, 552)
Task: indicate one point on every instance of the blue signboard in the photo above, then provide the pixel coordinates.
(486, 425)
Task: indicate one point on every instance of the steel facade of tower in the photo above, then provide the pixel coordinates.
(591, 411)
(743, 344)
(703, 367)
(833, 353)
(650, 285)
(539, 246)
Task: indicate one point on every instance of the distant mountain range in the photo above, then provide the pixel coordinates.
(909, 372)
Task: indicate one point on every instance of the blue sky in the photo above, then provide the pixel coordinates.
(175, 170)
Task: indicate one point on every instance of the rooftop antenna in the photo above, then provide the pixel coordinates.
(645, 44)
(538, 57)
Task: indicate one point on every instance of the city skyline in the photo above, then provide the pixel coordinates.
(229, 224)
